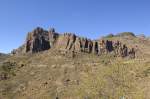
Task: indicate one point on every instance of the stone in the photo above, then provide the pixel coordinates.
(102, 47)
(37, 41)
(4, 76)
(109, 46)
(20, 50)
(77, 45)
(95, 47)
(132, 53)
(40, 40)
(83, 44)
(125, 51)
(72, 38)
(90, 46)
(53, 36)
(63, 41)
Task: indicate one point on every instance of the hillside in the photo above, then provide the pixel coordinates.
(52, 73)
(3, 57)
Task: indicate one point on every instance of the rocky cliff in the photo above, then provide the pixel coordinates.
(42, 68)
(40, 40)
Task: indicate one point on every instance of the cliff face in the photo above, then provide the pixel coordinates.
(43, 65)
(40, 40)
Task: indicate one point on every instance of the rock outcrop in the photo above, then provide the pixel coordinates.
(66, 41)
(37, 41)
(40, 40)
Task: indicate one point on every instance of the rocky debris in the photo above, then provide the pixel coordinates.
(4, 76)
(67, 81)
(20, 88)
(41, 40)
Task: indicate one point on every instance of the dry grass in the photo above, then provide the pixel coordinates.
(49, 74)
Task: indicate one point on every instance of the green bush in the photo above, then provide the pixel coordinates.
(8, 66)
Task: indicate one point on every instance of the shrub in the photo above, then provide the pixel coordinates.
(146, 72)
(8, 66)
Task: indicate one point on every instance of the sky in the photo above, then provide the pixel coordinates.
(87, 18)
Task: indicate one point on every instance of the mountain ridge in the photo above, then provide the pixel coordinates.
(35, 72)
(40, 40)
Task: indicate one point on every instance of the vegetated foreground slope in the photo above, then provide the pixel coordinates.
(54, 75)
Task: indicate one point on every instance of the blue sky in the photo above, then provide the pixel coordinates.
(88, 18)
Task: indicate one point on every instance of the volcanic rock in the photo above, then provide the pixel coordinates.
(40, 40)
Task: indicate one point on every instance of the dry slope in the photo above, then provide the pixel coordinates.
(55, 75)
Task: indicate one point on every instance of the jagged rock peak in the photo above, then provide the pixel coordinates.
(41, 40)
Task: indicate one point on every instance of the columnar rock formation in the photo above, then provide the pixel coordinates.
(40, 40)
(37, 41)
